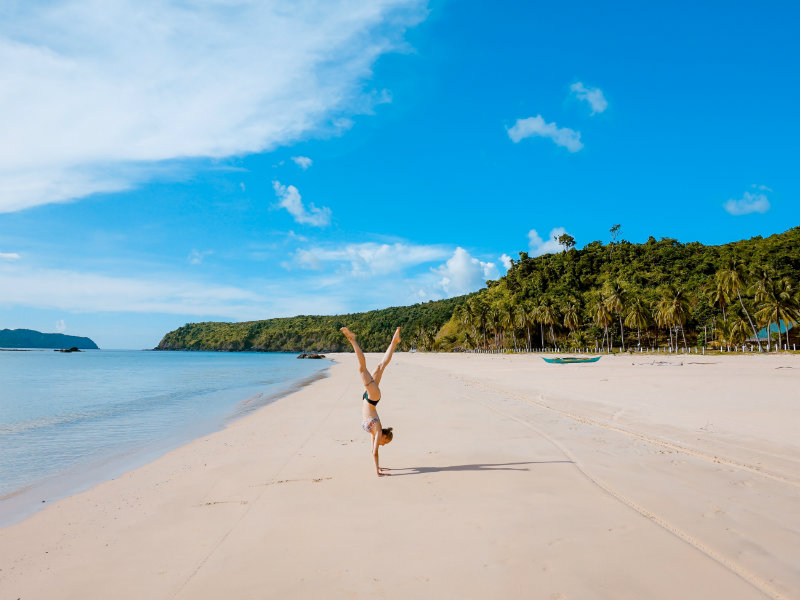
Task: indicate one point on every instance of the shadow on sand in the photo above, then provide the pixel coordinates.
(512, 466)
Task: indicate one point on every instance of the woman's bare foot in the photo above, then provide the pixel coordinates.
(396, 339)
(348, 334)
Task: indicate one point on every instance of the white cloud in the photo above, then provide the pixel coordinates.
(748, 203)
(369, 258)
(387, 271)
(302, 161)
(594, 96)
(96, 96)
(89, 292)
(196, 256)
(61, 326)
(536, 126)
(462, 273)
(505, 259)
(9, 256)
(538, 246)
(292, 201)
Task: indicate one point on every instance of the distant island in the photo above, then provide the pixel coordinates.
(28, 338)
(660, 293)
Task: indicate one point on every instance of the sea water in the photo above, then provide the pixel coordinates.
(71, 420)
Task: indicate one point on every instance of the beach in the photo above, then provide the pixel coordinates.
(639, 476)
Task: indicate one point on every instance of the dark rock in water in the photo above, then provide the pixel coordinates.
(310, 355)
(73, 349)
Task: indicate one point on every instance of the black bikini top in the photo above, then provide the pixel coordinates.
(373, 402)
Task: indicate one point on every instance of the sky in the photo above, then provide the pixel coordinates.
(173, 162)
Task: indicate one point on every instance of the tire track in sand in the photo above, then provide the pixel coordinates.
(754, 580)
(632, 434)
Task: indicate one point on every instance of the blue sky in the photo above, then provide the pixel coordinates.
(173, 162)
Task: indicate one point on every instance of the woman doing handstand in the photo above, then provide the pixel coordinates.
(371, 422)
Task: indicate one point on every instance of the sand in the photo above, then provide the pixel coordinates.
(620, 479)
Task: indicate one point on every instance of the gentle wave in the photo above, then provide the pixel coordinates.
(102, 410)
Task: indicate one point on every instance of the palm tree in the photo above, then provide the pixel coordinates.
(572, 319)
(673, 308)
(510, 319)
(466, 315)
(480, 312)
(777, 303)
(495, 317)
(616, 297)
(637, 315)
(548, 315)
(733, 280)
(739, 330)
(602, 316)
(718, 293)
(733, 331)
(526, 316)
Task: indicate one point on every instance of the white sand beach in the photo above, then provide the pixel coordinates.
(634, 477)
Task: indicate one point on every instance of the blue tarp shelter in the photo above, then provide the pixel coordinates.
(774, 329)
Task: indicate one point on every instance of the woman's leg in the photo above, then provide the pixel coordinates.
(386, 357)
(369, 382)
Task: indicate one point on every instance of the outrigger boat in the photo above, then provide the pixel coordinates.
(568, 360)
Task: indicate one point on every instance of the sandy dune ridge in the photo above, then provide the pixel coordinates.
(635, 477)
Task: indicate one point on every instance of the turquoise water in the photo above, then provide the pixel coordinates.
(68, 421)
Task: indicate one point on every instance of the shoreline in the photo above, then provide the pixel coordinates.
(22, 503)
(510, 476)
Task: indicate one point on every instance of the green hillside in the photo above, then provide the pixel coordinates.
(421, 322)
(661, 292)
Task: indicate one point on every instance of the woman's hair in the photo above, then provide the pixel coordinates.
(387, 433)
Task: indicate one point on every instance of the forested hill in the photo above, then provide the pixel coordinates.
(318, 333)
(28, 338)
(656, 293)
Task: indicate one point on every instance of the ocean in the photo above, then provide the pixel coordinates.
(70, 421)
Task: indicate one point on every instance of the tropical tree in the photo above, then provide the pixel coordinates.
(732, 279)
(718, 293)
(547, 314)
(496, 320)
(480, 313)
(571, 318)
(526, 318)
(565, 240)
(616, 297)
(637, 315)
(732, 331)
(510, 319)
(777, 302)
(672, 310)
(602, 317)
(466, 315)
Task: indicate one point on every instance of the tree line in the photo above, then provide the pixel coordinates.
(421, 322)
(628, 295)
(614, 295)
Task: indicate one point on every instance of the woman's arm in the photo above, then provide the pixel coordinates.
(376, 443)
